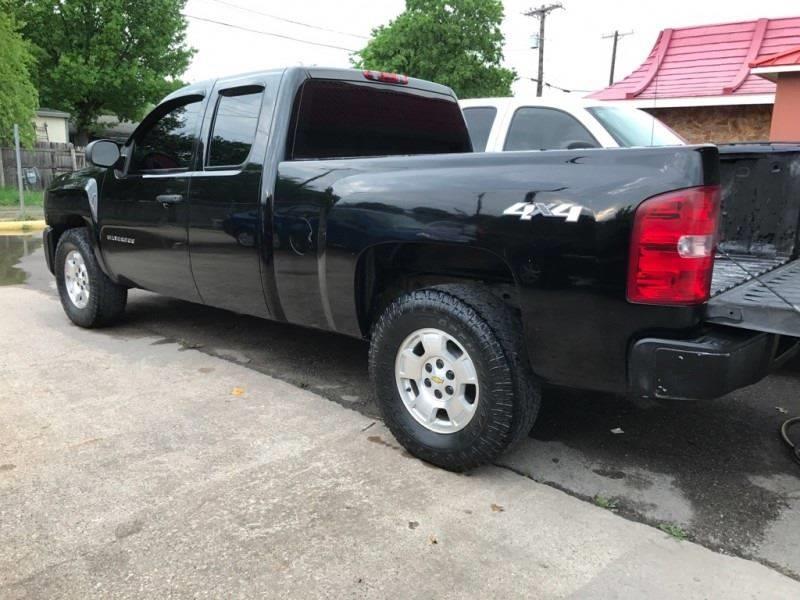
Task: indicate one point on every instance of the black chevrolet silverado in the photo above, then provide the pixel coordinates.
(352, 201)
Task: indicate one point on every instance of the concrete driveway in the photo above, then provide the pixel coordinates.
(153, 465)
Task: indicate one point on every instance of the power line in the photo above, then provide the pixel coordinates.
(292, 21)
(556, 87)
(541, 14)
(278, 35)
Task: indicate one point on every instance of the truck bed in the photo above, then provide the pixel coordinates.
(730, 272)
(756, 280)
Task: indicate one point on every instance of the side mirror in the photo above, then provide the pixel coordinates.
(102, 153)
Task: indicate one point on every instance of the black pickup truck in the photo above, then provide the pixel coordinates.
(352, 201)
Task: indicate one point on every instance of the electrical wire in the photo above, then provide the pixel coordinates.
(286, 20)
(785, 435)
(556, 87)
(795, 420)
(277, 35)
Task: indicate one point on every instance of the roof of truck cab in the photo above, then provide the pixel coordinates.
(358, 76)
(203, 87)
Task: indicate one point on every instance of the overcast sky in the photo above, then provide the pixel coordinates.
(576, 55)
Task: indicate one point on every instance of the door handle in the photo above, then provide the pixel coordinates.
(169, 198)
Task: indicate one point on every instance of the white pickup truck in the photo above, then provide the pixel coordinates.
(504, 124)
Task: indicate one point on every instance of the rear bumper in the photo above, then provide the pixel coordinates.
(712, 365)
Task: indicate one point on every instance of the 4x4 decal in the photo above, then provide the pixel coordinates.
(527, 210)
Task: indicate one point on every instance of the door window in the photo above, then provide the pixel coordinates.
(168, 143)
(234, 129)
(479, 122)
(536, 128)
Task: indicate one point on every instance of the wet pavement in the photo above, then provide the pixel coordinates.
(716, 469)
(12, 249)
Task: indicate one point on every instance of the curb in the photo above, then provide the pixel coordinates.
(22, 226)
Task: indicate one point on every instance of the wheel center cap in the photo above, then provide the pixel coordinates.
(437, 380)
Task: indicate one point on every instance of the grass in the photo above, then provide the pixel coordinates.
(9, 197)
(673, 531)
(607, 503)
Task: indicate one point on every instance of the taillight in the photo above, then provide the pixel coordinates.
(672, 247)
(386, 77)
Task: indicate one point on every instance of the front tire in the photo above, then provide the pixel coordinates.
(450, 375)
(87, 295)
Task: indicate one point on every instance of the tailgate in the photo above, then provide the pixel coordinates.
(756, 283)
(765, 302)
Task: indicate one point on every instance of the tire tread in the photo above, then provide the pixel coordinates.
(107, 300)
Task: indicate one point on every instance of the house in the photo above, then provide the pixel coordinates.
(51, 125)
(698, 80)
(784, 70)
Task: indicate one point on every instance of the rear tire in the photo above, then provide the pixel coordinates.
(88, 296)
(466, 325)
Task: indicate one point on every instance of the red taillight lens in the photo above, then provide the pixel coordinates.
(672, 247)
(386, 77)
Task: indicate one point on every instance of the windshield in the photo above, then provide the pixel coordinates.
(633, 127)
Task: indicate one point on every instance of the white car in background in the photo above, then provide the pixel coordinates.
(505, 124)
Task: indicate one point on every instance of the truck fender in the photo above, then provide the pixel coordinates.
(72, 201)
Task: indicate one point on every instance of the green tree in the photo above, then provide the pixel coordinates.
(455, 42)
(105, 56)
(17, 94)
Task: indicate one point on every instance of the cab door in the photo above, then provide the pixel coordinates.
(144, 212)
(227, 209)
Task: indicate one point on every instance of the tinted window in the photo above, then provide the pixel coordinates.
(632, 127)
(336, 119)
(169, 142)
(234, 127)
(546, 129)
(479, 122)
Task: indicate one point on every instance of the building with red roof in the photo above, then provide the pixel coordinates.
(783, 69)
(699, 80)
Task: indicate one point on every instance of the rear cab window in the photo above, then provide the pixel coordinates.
(344, 119)
(542, 128)
(479, 123)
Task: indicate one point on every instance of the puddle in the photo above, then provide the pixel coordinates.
(12, 249)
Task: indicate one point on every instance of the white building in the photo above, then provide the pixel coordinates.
(51, 125)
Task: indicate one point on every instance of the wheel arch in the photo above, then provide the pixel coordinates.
(60, 221)
(386, 270)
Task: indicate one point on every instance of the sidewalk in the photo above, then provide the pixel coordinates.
(131, 468)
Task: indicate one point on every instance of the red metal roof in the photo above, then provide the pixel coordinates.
(783, 59)
(707, 61)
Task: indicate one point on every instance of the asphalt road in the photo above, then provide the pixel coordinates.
(717, 469)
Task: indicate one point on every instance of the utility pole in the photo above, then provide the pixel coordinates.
(541, 14)
(19, 172)
(616, 35)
